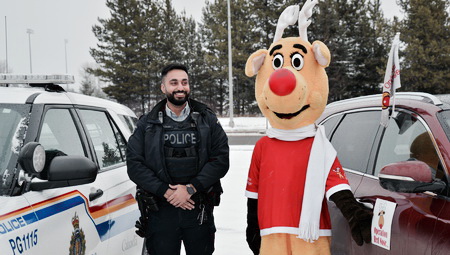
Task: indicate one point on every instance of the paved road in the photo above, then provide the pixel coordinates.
(243, 139)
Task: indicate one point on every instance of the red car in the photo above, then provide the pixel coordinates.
(406, 163)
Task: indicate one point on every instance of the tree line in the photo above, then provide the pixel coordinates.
(142, 36)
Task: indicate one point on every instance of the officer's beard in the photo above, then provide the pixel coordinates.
(175, 101)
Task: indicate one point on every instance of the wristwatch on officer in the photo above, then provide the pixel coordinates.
(190, 189)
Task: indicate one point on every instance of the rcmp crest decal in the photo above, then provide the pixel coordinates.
(78, 241)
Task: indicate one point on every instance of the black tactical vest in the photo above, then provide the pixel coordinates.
(180, 149)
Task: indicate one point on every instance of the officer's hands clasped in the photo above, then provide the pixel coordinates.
(178, 196)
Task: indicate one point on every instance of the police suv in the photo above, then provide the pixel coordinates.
(63, 181)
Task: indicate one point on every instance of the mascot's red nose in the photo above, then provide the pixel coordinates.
(282, 82)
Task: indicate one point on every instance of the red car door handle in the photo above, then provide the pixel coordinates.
(366, 202)
(96, 194)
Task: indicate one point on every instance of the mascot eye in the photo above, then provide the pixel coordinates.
(277, 61)
(297, 61)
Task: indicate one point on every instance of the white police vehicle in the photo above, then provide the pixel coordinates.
(63, 181)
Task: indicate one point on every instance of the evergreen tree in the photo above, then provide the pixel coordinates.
(155, 58)
(354, 31)
(87, 86)
(327, 26)
(90, 84)
(426, 33)
(166, 36)
(192, 56)
(252, 29)
(170, 38)
(242, 41)
(264, 16)
(368, 54)
(142, 36)
(119, 53)
(87, 80)
(214, 41)
(139, 38)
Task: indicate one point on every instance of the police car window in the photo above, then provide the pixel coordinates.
(108, 143)
(353, 139)
(406, 138)
(120, 141)
(59, 135)
(128, 121)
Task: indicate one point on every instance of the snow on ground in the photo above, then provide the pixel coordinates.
(231, 214)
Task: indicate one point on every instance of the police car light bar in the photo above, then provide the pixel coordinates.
(36, 79)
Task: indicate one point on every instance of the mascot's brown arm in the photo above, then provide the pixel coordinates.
(252, 232)
(358, 216)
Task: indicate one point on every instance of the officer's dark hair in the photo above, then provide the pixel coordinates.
(172, 66)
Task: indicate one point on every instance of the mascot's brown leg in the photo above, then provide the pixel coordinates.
(287, 244)
(252, 231)
(359, 218)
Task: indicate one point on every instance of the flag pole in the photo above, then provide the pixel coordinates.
(230, 68)
(391, 83)
(396, 71)
(6, 46)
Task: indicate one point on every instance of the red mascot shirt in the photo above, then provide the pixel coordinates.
(277, 179)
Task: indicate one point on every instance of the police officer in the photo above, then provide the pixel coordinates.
(177, 155)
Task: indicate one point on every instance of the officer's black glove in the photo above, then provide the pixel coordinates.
(252, 231)
(140, 231)
(358, 216)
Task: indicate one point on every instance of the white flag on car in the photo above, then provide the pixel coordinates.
(391, 81)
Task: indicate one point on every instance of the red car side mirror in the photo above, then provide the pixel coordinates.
(409, 177)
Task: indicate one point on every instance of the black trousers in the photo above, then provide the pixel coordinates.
(170, 225)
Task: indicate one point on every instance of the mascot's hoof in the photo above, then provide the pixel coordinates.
(358, 216)
(360, 226)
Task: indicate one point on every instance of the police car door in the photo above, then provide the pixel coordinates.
(110, 147)
(16, 233)
(70, 219)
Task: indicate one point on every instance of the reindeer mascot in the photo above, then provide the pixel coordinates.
(294, 168)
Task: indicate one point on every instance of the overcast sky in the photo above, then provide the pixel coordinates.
(65, 26)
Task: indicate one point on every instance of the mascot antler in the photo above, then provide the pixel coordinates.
(303, 18)
(287, 18)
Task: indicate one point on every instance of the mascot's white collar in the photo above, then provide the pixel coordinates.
(292, 134)
(320, 162)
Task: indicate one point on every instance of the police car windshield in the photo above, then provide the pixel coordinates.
(12, 126)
